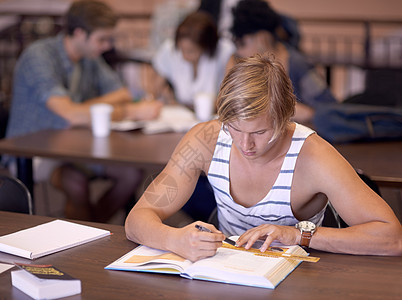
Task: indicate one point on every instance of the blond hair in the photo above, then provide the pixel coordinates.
(255, 86)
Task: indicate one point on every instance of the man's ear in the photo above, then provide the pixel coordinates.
(79, 33)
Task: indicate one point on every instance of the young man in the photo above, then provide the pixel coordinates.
(256, 29)
(56, 80)
(268, 174)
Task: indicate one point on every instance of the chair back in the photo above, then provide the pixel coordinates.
(14, 195)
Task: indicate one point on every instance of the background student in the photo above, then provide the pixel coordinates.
(257, 28)
(221, 10)
(56, 80)
(268, 175)
(194, 62)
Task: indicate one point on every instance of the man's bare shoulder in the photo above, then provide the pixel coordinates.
(315, 147)
(204, 135)
(318, 167)
(197, 146)
(317, 156)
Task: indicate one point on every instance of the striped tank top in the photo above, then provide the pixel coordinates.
(274, 208)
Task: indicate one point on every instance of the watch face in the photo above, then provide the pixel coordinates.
(306, 226)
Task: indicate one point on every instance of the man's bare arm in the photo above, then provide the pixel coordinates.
(373, 227)
(123, 108)
(170, 190)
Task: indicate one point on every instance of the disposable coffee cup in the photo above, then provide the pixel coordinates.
(204, 106)
(100, 119)
(100, 147)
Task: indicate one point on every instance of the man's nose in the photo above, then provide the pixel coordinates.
(246, 141)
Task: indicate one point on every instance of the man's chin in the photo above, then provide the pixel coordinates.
(250, 155)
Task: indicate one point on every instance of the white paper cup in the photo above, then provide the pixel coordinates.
(204, 106)
(100, 147)
(100, 119)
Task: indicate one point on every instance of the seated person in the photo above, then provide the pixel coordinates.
(221, 10)
(268, 175)
(194, 62)
(255, 29)
(56, 80)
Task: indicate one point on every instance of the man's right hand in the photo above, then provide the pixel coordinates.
(193, 244)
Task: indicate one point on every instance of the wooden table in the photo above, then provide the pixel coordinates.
(78, 145)
(335, 276)
(381, 161)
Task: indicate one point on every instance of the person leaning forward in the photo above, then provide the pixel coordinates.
(268, 174)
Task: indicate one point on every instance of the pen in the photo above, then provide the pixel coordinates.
(227, 240)
(202, 228)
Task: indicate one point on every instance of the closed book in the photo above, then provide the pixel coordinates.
(44, 282)
(49, 238)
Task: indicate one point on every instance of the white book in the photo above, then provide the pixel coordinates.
(57, 285)
(49, 238)
(173, 118)
(5, 267)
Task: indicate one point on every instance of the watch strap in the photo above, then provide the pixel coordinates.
(305, 238)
